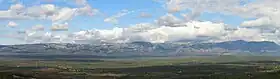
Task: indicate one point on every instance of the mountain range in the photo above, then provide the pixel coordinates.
(145, 49)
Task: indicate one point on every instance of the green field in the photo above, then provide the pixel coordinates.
(222, 67)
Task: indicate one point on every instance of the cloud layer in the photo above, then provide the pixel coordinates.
(263, 26)
(156, 33)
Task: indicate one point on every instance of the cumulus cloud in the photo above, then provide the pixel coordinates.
(244, 34)
(38, 28)
(60, 27)
(64, 14)
(18, 11)
(191, 16)
(202, 5)
(267, 13)
(41, 12)
(140, 32)
(169, 20)
(43, 37)
(81, 2)
(193, 30)
(152, 33)
(12, 24)
(17, 8)
(166, 28)
(260, 22)
(87, 10)
(244, 8)
(46, 12)
(9, 15)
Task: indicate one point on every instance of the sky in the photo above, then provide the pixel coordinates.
(120, 21)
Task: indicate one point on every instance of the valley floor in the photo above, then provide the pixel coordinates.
(223, 67)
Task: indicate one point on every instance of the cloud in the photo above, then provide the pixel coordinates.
(31, 37)
(193, 30)
(260, 22)
(46, 12)
(38, 28)
(152, 33)
(81, 2)
(145, 15)
(12, 24)
(60, 27)
(173, 6)
(41, 12)
(63, 15)
(256, 9)
(202, 5)
(87, 10)
(191, 16)
(9, 15)
(244, 34)
(169, 27)
(114, 19)
(266, 13)
(169, 20)
(18, 11)
(17, 7)
(138, 32)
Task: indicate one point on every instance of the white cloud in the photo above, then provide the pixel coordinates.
(18, 11)
(202, 5)
(41, 12)
(256, 9)
(60, 27)
(46, 12)
(191, 16)
(266, 13)
(152, 33)
(145, 15)
(87, 10)
(81, 2)
(167, 28)
(139, 32)
(169, 20)
(17, 7)
(63, 15)
(49, 9)
(244, 34)
(38, 28)
(193, 30)
(114, 19)
(12, 24)
(260, 22)
(9, 15)
(173, 6)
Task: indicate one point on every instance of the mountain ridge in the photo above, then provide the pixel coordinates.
(144, 48)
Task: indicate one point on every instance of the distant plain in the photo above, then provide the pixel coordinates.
(190, 67)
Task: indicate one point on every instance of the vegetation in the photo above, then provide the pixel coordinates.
(223, 67)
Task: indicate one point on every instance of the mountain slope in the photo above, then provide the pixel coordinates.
(263, 46)
(143, 48)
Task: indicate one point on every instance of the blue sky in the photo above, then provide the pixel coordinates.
(111, 7)
(107, 8)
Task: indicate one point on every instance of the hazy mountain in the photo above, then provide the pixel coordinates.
(263, 46)
(142, 48)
